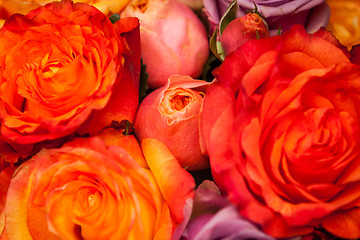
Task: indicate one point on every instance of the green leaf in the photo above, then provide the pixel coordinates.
(229, 15)
(114, 18)
(257, 34)
(213, 44)
(143, 81)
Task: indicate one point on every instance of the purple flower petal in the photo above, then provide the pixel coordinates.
(214, 217)
(279, 7)
(225, 224)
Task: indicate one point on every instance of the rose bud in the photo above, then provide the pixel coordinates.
(171, 115)
(344, 21)
(88, 190)
(60, 67)
(173, 39)
(240, 30)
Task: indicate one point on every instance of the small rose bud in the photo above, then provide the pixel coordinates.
(171, 114)
(251, 26)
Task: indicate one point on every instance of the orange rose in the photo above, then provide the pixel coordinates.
(282, 131)
(171, 114)
(60, 65)
(87, 190)
(344, 21)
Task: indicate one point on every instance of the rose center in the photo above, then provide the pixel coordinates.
(51, 69)
(179, 102)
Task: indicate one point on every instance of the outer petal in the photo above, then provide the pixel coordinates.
(175, 183)
(344, 224)
(125, 94)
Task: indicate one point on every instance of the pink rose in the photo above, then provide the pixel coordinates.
(173, 39)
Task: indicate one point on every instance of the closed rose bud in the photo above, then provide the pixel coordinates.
(241, 30)
(170, 114)
(173, 39)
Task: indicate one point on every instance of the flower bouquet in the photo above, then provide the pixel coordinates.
(178, 119)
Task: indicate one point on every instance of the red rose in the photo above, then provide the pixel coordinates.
(282, 131)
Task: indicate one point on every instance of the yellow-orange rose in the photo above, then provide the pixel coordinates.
(344, 21)
(9, 7)
(87, 190)
(60, 65)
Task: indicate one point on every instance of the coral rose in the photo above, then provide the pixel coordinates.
(344, 21)
(173, 39)
(282, 130)
(171, 114)
(60, 67)
(87, 190)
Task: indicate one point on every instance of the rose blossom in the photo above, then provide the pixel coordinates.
(281, 127)
(60, 65)
(87, 190)
(344, 21)
(171, 115)
(215, 218)
(10, 7)
(278, 13)
(173, 39)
